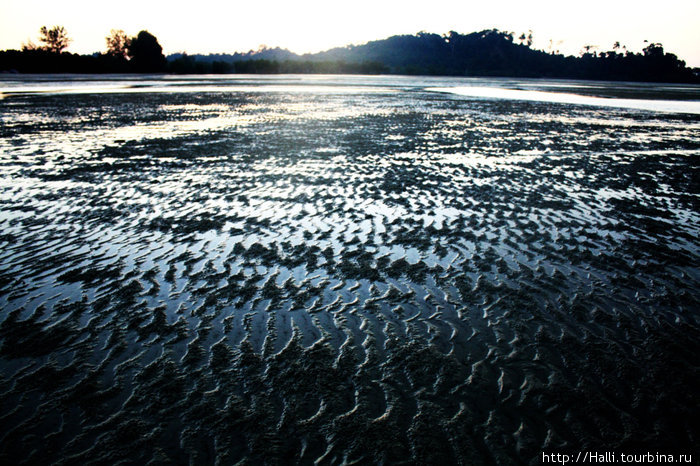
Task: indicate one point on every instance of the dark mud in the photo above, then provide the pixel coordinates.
(394, 276)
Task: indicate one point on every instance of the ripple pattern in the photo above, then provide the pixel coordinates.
(345, 277)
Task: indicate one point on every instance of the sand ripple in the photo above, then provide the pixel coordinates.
(354, 277)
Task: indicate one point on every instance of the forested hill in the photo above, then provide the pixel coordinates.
(485, 53)
(481, 53)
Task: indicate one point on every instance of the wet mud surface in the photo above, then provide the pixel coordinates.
(326, 276)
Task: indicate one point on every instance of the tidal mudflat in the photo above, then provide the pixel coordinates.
(346, 269)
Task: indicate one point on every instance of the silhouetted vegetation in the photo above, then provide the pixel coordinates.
(185, 64)
(55, 40)
(494, 53)
(42, 61)
(486, 53)
(140, 54)
(146, 54)
(117, 43)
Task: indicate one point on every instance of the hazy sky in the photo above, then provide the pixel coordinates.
(312, 25)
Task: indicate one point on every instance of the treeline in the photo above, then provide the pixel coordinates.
(185, 64)
(486, 53)
(44, 61)
(139, 54)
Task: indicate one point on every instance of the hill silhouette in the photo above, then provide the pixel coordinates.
(485, 53)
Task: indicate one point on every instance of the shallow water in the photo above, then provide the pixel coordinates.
(304, 269)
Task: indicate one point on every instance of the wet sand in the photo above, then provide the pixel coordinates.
(342, 273)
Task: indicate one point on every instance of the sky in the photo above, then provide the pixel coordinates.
(212, 26)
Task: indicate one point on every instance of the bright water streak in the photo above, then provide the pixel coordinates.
(654, 105)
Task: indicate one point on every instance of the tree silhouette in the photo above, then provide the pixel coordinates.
(55, 39)
(117, 43)
(146, 53)
(589, 50)
(654, 50)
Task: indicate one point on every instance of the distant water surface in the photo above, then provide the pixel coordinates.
(338, 269)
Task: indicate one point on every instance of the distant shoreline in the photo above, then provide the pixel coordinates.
(489, 53)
